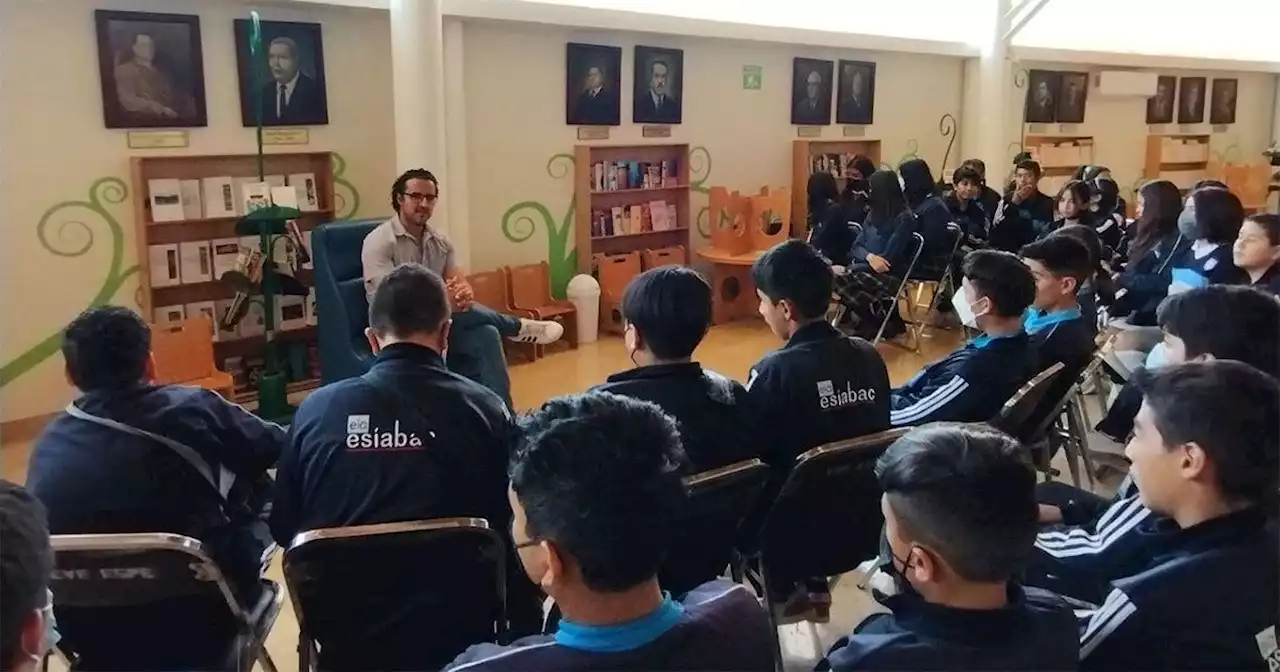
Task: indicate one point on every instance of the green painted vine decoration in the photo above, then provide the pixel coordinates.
(345, 208)
(699, 173)
(73, 237)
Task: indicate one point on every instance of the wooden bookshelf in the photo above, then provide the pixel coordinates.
(149, 232)
(1180, 158)
(597, 193)
(804, 154)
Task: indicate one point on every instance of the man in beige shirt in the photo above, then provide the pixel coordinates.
(406, 238)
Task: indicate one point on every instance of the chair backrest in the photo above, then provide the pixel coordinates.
(719, 500)
(664, 256)
(826, 518)
(183, 351)
(529, 286)
(111, 587)
(615, 271)
(934, 266)
(1020, 407)
(340, 296)
(490, 289)
(407, 595)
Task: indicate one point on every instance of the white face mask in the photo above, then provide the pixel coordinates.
(963, 310)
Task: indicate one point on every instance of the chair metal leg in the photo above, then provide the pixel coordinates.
(264, 659)
(1080, 437)
(773, 619)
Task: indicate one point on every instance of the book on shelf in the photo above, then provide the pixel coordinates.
(164, 265)
(219, 197)
(305, 185)
(207, 309)
(254, 322)
(166, 200)
(169, 315)
(225, 251)
(192, 204)
(291, 312)
(254, 196)
(237, 186)
(311, 306)
(658, 215)
(619, 175)
(838, 164)
(619, 224)
(225, 329)
(284, 197)
(196, 265)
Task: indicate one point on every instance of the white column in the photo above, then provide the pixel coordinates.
(995, 84)
(417, 65)
(455, 139)
(1275, 115)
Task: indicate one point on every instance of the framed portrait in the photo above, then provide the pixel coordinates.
(151, 68)
(856, 98)
(1160, 106)
(1073, 93)
(1042, 97)
(811, 91)
(1191, 100)
(288, 76)
(1222, 109)
(593, 85)
(659, 86)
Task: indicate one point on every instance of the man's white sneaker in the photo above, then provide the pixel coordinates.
(538, 332)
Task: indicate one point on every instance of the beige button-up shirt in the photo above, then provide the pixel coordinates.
(390, 245)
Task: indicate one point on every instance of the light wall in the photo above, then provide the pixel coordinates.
(1119, 128)
(515, 122)
(54, 147)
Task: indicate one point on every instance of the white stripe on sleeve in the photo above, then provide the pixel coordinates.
(1105, 620)
(930, 403)
(1119, 520)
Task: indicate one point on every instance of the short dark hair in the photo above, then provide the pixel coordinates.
(1063, 256)
(793, 271)
(106, 348)
(1227, 322)
(409, 300)
(402, 183)
(966, 173)
(1003, 278)
(670, 306)
(1208, 184)
(1029, 165)
(978, 165)
(1219, 214)
(1268, 222)
(598, 474)
(967, 493)
(1229, 409)
(1079, 191)
(26, 563)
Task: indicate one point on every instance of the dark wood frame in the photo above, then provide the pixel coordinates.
(1055, 86)
(1213, 95)
(244, 70)
(1059, 113)
(640, 84)
(1173, 101)
(571, 89)
(106, 69)
(871, 91)
(1198, 117)
(828, 67)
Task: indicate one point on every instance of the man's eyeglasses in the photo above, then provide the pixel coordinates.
(418, 198)
(511, 532)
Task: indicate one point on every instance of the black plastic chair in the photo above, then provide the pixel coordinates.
(719, 501)
(154, 602)
(826, 518)
(396, 596)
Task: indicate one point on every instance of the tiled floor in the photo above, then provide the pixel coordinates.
(729, 349)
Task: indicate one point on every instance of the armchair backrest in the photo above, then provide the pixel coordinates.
(826, 518)
(529, 286)
(1019, 410)
(340, 297)
(408, 595)
(719, 500)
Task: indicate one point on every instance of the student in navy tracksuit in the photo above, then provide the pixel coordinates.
(829, 229)
(932, 213)
(1056, 325)
(1098, 288)
(1211, 221)
(880, 259)
(1108, 211)
(1024, 213)
(972, 383)
(1206, 458)
(1257, 252)
(99, 479)
(821, 386)
(597, 495)
(960, 514)
(1148, 239)
(989, 198)
(409, 440)
(964, 203)
(1072, 208)
(666, 312)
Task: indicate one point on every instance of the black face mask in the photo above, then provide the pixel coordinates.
(901, 584)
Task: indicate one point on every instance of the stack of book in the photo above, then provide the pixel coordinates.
(632, 219)
(174, 200)
(616, 175)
